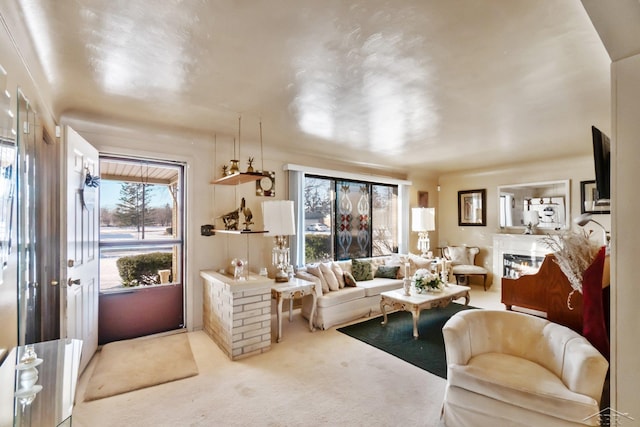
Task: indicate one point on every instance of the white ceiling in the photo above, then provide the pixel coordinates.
(440, 84)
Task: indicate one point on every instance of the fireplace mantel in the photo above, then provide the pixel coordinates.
(517, 244)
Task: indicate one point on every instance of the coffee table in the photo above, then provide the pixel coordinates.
(414, 303)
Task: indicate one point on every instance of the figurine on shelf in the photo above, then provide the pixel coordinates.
(225, 170)
(231, 220)
(250, 167)
(247, 215)
(234, 167)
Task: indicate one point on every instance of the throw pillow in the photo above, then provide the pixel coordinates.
(349, 280)
(387, 272)
(417, 262)
(361, 270)
(329, 276)
(459, 255)
(315, 270)
(337, 270)
(400, 261)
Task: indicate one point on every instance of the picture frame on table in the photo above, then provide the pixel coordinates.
(472, 207)
(589, 197)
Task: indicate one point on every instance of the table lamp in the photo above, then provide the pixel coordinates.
(279, 223)
(423, 220)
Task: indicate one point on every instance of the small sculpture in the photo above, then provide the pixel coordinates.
(231, 220)
(247, 215)
(225, 170)
(250, 167)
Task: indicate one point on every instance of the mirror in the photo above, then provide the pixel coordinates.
(544, 203)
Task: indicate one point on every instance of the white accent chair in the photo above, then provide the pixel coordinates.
(511, 369)
(463, 263)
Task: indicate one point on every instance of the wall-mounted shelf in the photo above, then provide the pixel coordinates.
(241, 231)
(238, 178)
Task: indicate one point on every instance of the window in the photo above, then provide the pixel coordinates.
(141, 236)
(348, 219)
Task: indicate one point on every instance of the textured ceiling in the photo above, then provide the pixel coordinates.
(441, 85)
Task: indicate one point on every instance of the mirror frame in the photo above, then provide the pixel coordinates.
(564, 190)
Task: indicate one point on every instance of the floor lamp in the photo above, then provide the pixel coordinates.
(423, 220)
(279, 223)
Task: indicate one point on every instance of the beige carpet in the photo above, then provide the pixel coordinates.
(129, 365)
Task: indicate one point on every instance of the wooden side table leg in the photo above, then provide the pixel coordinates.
(290, 309)
(467, 297)
(279, 316)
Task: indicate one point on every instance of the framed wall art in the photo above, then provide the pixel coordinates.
(423, 199)
(472, 208)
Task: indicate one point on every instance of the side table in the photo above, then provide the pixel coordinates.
(294, 288)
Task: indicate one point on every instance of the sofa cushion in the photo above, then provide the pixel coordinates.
(377, 285)
(400, 261)
(343, 295)
(329, 276)
(522, 383)
(349, 280)
(337, 271)
(345, 265)
(417, 262)
(387, 272)
(315, 270)
(361, 270)
(460, 255)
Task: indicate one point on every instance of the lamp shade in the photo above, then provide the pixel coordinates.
(423, 219)
(278, 218)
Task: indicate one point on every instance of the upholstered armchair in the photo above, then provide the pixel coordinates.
(463, 263)
(506, 368)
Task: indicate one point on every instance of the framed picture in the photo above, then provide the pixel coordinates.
(423, 199)
(266, 186)
(471, 207)
(589, 197)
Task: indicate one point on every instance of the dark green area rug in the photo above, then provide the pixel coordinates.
(396, 337)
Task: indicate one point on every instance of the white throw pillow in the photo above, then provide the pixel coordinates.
(337, 270)
(329, 276)
(315, 270)
(459, 255)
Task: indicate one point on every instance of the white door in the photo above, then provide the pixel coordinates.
(82, 229)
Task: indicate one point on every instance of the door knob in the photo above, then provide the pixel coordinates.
(71, 282)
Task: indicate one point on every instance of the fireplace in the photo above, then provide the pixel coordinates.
(516, 254)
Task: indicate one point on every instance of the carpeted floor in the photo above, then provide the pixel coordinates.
(396, 337)
(129, 365)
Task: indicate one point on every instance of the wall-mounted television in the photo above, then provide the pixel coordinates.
(602, 163)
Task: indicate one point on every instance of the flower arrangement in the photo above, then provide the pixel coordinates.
(574, 252)
(425, 280)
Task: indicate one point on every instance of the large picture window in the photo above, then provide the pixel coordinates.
(346, 219)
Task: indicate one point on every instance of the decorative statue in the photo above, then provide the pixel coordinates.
(250, 167)
(247, 215)
(225, 170)
(231, 220)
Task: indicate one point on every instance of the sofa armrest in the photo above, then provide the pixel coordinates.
(457, 341)
(302, 274)
(584, 368)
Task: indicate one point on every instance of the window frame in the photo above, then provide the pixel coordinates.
(180, 216)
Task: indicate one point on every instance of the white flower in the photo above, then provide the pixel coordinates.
(424, 278)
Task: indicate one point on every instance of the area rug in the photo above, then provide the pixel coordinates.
(129, 365)
(396, 337)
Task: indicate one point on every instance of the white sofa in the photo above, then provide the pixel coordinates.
(512, 369)
(349, 303)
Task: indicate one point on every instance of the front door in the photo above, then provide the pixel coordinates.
(82, 229)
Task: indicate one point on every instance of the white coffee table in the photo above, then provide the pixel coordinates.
(414, 303)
